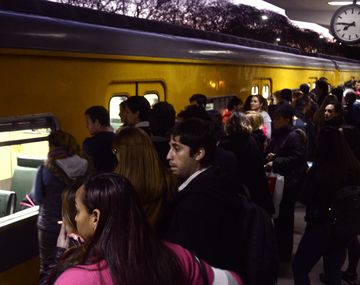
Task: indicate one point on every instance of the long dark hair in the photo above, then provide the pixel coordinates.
(123, 237)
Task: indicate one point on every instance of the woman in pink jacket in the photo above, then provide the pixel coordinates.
(119, 246)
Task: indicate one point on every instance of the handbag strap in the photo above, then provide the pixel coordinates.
(203, 273)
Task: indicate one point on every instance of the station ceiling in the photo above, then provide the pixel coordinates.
(314, 11)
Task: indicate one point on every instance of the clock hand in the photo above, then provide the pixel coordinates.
(342, 23)
(349, 25)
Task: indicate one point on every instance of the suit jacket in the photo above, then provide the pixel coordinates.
(203, 219)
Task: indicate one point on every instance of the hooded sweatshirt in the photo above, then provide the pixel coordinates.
(50, 182)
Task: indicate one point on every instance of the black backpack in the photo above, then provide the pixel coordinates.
(259, 252)
(346, 209)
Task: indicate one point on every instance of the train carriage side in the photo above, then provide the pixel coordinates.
(62, 67)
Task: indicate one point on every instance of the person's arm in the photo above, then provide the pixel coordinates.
(267, 123)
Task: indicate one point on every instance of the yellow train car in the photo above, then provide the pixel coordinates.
(57, 60)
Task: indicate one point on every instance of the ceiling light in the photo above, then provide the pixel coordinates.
(264, 17)
(340, 3)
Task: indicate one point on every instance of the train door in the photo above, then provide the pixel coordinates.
(261, 86)
(117, 92)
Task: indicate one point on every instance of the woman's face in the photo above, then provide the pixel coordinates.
(131, 118)
(85, 222)
(329, 112)
(122, 113)
(255, 104)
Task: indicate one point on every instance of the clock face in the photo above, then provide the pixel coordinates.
(345, 24)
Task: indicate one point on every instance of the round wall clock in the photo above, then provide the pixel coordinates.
(345, 24)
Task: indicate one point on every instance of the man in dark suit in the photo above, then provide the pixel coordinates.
(202, 217)
(98, 147)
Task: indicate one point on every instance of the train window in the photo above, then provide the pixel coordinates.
(23, 148)
(312, 82)
(153, 98)
(266, 91)
(210, 106)
(115, 101)
(255, 90)
(219, 103)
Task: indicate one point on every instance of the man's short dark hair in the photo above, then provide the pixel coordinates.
(195, 111)
(284, 110)
(233, 102)
(98, 113)
(200, 99)
(305, 88)
(141, 105)
(350, 98)
(196, 133)
(285, 94)
(322, 85)
(162, 118)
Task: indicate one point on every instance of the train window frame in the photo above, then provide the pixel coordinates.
(255, 89)
(27, 122)
(23, 147)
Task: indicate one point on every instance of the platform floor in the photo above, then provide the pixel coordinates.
(285, 276)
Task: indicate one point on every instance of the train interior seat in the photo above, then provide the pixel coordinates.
(7, 202)
(23, 177)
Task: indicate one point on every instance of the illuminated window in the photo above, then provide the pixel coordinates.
(255, 90)
(153, 98)
(266, 91)
(114, 110)
(23, 148)
(209, 106)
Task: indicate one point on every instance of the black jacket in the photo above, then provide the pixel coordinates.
(250, 169)
(99, 150)
(210, 218)
(201, 220)
(289, 146)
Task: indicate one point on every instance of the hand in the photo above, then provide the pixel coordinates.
(63, 239)
(76, 237)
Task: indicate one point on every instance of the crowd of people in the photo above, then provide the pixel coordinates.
(155, 202)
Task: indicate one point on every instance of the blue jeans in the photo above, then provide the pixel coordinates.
(318, 242)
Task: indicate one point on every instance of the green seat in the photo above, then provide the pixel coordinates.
(7, 202)
(23, 178)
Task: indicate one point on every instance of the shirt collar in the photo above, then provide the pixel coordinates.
(142, 124)
(192, 177)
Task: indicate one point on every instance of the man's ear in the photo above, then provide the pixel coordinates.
(97, 123)
(200, 154)
(137, 114)
(95, 216)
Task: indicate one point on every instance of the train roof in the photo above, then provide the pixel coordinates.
(53, 26)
